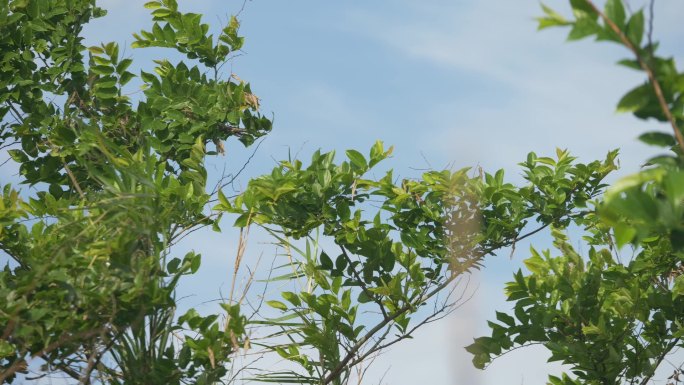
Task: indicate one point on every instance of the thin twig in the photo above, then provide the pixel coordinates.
(363, 285)
(446, 308)
(85, 378)
(651, 17)
(667, 350)
(649, 71)
(344, 363)
(221, 184)
(17, 114)
(21, 363)
(242, 245)
(73, 180)
(5, 145)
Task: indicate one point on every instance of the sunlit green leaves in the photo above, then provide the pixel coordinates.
(612, 314)
(416, 236)
(586, 312)
(186, 33)
(276, 305)
(551, 18)
(115, 183)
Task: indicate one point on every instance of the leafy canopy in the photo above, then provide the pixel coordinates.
(91, 281)
(613, 318)
(92, 276)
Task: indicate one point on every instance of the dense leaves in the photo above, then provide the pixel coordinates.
(396, 245)
(91, 277)
(613, 316)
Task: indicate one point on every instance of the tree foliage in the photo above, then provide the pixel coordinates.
(91, 279)
(395, 245)
(119, 181)
(611, 315)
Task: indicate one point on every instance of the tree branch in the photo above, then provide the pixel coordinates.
(391, 317)
(660, 359)
(649, 71)
(363, 285)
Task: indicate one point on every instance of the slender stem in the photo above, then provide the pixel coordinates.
(73, 180)
(363, 285)
(16, 112)
(378, 347)
(92, 360)
(649, 71)
(20, 363)
(334, 374)
(660, 359)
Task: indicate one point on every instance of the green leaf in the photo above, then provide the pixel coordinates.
(552, 19)
(292, 298)
(357, 159)
(633, 180)
(326, 262)
(147, 77)
(277, 305)
(242, 220)
(106, 93)
(172, 4)
(18, 156)
(152, 5)
(674, 187)
(123, 65)
(630, 63)
(591, 329)
(505, 318)
(172, 266)
(636, 99)
(195, 263)
(582, 9)
(102, 70)
(624, 234)
(125, 78)
(377, 153)
(223, 199)
(6, 349)
(161, 13)
(635, 28)
(660, 139)
(615, 11)
(678, 288)
(536, 264)
(96, 50)
(583, 28)
(364, 298)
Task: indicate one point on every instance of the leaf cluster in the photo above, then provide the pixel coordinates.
(90, 279)
(612, 319)
(396, 244)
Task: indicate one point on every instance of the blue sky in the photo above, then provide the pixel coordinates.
(446, 82)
